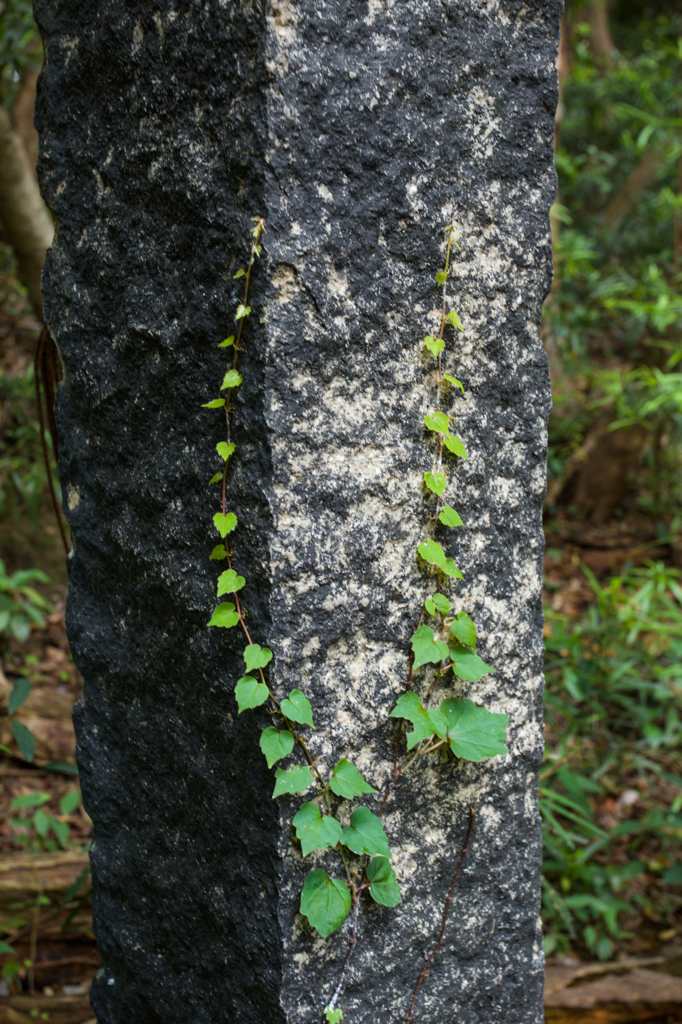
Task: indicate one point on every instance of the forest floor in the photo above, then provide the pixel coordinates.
(45, 916)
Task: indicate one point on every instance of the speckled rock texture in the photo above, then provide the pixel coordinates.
(358, 129)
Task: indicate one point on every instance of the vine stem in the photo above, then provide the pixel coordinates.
(446, 910)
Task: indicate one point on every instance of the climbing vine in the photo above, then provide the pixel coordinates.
(442, 640)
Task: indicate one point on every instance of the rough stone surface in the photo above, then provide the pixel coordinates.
(357, 129)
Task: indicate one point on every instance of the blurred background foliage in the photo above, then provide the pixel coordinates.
(611, 786)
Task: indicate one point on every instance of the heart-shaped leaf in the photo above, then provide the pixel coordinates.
(218, 553)
(384, 886)
(435, 482)
(365, 834)
(433, 344)
(296, 780)
(347, 782)
(256, 656)
(449, 517)
(463, 629)
(468, 665)
(325, 901)
(438, 422)
(428, 650)
(249, 693)
(224, 523)
(224, 616)
(314, 831)
(454, 445)
(229, 582)
(232, 379)
(432, 552)
(474, 732)
(410, 708)
(224, 449)
(276, 744)
(298, 708)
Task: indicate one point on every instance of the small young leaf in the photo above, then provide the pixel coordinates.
(441, 602)
(453, 380)
(438, 422)
(29, 800)
(450, 569)
(297, 708)
(426, 649)
(256, 656)
(455, 320)
(314, 831)
(384, 888)
(276, 744)
(240, 273)
(454, 445)
(347, 782)
(474, 732)
(242, 311)
(430, 606)
(216, 403)
(325, 901)
(228, 341)
(435, 482)
(229, 582)
(441, 277)
(217, 478)
(334, 1016)
(410, 708)
(224, 523)
(231, 379)
(218, 553)
(25, 739)
(296, 780)
(249, 693)
(432, 552)
(463, 629)
(433, 344)
(224, 449)
(19, 694)
(69, 802)
(224, 616)
(449, 517)
(365, 834)
(468, 665)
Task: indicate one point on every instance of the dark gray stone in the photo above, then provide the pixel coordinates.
(357, 129)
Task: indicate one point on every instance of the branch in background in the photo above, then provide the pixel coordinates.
(643, 176)
(26, 223)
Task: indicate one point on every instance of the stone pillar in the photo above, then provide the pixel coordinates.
(358, 129)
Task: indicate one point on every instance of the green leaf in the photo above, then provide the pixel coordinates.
(5, 947)
(276, 744)
(256, 656)
(249, 693)
(224, 449)
(25, 739)
(384, 888)
(69, 802)
(218, 553)
(430, 606)
(229, 582)
(468, 665)
(297, 708)
(42, 822)
(365, 834)
(449, 517)
(224, 616)
(453, 380)
(474, 732)
(225, 523)
(333, 1016)
(454, 445)
(314, 831)
(296, 780)
(232, 379)
(29, 800)
(216, 403)
(426, 649)
(463, 629)
(441, 277)
(61, 830)
(450, 569)
(433, 344)
(216, 478)
(19, 694)
(410, 708)
(432, 552)
(228, 341)
(242, 311)
(347, 782)
(438, 422)
(455, 320)
(240, 273)
(325, 901)
(441, 602)
(435, 482)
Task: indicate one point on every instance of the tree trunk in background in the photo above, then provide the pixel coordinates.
(600, 41)
(22, 115)
(358, 131)
(26, 223)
